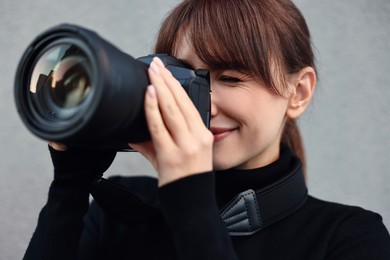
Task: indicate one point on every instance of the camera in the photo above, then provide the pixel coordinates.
(74, 87)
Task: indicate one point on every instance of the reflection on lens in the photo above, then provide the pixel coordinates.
(70, 83)
(61, 77)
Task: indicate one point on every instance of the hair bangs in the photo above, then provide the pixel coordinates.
(217, 36)
(224, 34)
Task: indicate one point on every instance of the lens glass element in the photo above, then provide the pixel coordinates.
(61, 79)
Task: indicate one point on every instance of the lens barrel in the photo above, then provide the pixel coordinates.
(74, 87)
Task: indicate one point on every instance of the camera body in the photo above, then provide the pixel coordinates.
(74, 87)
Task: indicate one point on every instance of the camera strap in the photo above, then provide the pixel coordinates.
(253, 210)
(248, 213)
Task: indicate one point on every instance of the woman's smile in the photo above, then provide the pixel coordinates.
(221, 133)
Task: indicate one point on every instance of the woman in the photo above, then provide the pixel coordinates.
(232, 192)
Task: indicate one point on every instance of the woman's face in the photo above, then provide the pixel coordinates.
(246, 119)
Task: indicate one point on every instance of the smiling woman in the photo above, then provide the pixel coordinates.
(234, 191)
(241, 40)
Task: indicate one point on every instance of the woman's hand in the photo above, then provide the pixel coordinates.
(180, 145)
(83, 164)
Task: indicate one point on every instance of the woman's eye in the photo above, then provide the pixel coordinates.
(230, 79)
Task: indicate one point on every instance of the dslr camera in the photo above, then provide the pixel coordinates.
(74, 87)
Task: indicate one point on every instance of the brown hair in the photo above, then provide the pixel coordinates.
(267, 38)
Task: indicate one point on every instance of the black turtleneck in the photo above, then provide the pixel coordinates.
(229, 183)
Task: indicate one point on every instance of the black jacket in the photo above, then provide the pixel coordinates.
(182, 221)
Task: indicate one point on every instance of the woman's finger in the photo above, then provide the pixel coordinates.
(184, 103)
(172, 115)
(158, 131)
(57, 146)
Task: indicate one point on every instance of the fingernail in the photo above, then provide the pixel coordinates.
(154, 67)
(159, 62)
(151, 91)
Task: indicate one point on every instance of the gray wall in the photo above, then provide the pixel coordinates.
(346, 129)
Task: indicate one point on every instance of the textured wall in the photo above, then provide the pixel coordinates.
(346, 130)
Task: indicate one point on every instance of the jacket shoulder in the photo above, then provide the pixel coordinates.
(351, 229)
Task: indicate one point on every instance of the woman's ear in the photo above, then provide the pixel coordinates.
(302, 87)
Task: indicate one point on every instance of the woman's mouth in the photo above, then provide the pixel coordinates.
(221, 133)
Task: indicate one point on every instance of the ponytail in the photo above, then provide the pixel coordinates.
(292, 138)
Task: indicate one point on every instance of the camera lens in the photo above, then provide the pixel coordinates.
(60, 81)
(74, 87)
